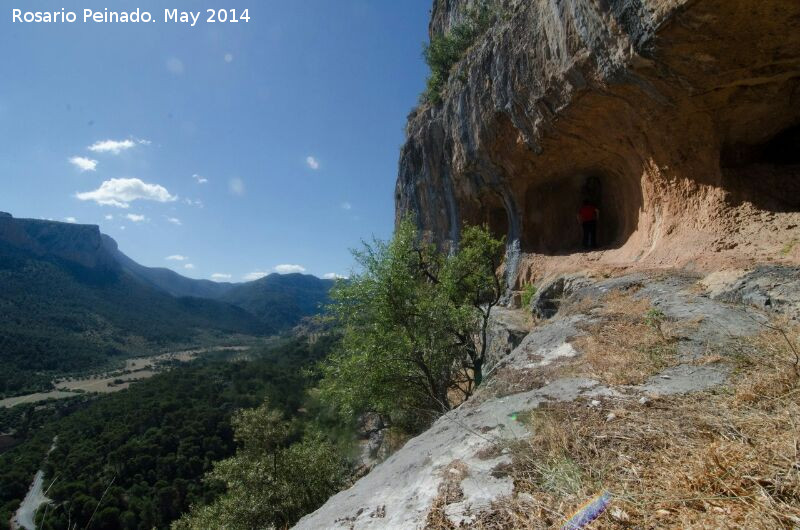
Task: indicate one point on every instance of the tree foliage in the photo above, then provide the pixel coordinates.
(414, 324)
(155, 441)
(270, 482)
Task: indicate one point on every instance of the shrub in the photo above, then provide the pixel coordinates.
(527, 295)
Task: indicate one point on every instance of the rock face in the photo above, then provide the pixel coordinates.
(679, 119)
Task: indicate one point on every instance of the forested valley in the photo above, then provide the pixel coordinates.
(137, 458)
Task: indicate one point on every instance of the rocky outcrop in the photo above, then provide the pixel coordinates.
(680, 119)
(772, 288)
(371, 433)
(506, 330)
(548, 298)
(467, 448)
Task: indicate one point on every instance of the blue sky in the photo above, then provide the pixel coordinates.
(239, 147)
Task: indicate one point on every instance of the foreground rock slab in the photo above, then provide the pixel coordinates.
(466, 448)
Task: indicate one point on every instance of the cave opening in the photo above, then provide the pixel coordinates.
(490, 211)
(766, 174)
(498, 222)
(550, 214)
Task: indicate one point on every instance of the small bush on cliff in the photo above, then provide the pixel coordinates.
(527, 295)
(444, 51)
(414, 326)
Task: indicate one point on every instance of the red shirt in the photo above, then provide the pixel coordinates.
(587, 213)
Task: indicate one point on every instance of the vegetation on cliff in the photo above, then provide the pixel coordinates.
(413, 324)
(445, 50)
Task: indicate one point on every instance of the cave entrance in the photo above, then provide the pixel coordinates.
(551, 208)
(497, 220)
(766, 174)
(490, 211)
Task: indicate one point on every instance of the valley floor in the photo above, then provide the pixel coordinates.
(135, 369)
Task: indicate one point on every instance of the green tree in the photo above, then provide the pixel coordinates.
(270, 482)
(414, 324)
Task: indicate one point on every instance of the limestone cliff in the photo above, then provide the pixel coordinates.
(76, 243)
(679, 118)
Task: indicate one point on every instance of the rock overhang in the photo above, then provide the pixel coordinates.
(651, 101)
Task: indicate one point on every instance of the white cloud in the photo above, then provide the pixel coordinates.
(199, 178)
(236, 186)
(122, 227)
(109, 217)
(312, 162)
(196, 202)
(188, 266)
(220, 276)
(175, 66)
(346, 206)
(289, 268)
(255, 275)
(70, 220)
(228, 57)
(135, 217)
(333, 276)
(174, 220)
(176, 257)
(83, 163)
(114, 147)
(121, 192)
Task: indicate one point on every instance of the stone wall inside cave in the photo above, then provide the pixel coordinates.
(680, 118)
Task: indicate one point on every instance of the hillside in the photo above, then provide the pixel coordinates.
(607, 395)
(70, 308)
(71, 301)
(280, 300)
(166, 279)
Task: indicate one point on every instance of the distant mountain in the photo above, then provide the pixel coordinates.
(281, 299)
(70, 300)
(166, 279)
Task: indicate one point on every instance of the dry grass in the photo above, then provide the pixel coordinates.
(449, 492)
(630, 341)
(725, 459)
(627, 342)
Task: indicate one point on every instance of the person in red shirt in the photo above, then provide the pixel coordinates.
(588, 215)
